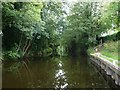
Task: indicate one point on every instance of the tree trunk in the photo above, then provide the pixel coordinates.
(27, 47)
(20, 42)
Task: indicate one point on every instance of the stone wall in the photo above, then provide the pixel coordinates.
(108, 67)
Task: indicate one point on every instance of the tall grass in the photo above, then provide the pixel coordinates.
(109, 49)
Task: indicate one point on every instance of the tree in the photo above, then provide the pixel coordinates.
(52, 16)
(20, 21)
(83, 26)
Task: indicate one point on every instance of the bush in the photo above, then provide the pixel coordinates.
(11, 55)
(48, 51)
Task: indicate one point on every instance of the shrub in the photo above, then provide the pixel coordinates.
(11, 55)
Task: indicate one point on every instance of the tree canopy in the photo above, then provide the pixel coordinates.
(39, 28)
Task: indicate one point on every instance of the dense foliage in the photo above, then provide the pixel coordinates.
(28, 31)
(87, 22)
(47, 28)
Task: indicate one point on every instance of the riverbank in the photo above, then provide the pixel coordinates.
(109, 51)
(107, 59)
(110, 68)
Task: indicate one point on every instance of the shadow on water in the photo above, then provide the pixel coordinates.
(56, 72)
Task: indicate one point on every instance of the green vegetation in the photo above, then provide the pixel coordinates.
(110, 49)
(43, 29)
(109, 45)
(27, 31)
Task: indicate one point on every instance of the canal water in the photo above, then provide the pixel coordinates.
(56, 72)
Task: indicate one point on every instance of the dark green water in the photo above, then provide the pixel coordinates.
(54, 73)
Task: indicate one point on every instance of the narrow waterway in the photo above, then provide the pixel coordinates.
(53, 72)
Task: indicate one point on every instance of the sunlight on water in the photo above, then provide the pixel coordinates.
(59, 73)
(61, 81)
(60, 65)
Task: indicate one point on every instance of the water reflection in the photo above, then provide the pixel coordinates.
(58, 73)
(61, 81)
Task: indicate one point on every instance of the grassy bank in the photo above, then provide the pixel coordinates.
(109, 49)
